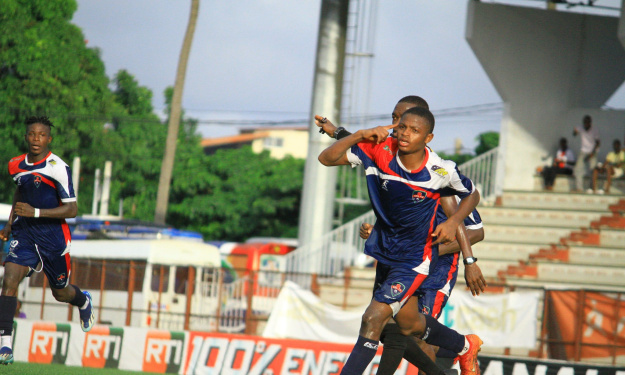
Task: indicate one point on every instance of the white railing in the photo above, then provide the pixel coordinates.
(481, 170)
(340, 248)
(343, 247)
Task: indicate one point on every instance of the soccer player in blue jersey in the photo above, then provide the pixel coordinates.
(405, 182)
(434, 292)
(44, 198)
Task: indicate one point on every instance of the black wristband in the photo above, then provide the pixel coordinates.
(341, 132)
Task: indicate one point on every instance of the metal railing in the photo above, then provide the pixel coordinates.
(482, 171)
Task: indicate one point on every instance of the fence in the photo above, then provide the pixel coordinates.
(574, 325)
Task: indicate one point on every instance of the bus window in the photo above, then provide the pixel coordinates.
(182, 277)
(156, 272)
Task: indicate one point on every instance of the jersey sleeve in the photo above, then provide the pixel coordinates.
(459, 183)
(360, 152)
(64, 184)
(473, 221)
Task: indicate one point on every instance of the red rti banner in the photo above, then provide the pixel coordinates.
(602, 325)
(214, 353)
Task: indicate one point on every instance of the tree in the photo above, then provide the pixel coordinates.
(486, 141)
(174, 118)
(46, 69)
(238, 195)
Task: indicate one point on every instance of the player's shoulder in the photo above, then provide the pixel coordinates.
(55, 161)
(439, 165)
(17, 159)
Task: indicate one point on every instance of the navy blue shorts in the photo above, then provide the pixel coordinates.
(55, 263)
(431, 302)
(394, 285)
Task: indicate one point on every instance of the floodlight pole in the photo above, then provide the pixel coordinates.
(316, 210)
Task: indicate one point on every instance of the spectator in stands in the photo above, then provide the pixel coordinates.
(588, 151)
(613, 168)
(562, 164)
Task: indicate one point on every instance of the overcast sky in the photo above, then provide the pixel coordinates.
(254, 59)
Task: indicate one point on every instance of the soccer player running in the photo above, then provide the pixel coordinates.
(405, 181)
(44, 198)
(435, 291)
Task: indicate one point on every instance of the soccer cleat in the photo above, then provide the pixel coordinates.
(6, 355)
(468, 361)
(87, 318)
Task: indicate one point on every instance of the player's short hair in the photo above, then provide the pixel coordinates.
(423, 113)
(39, 120)
(416, 100)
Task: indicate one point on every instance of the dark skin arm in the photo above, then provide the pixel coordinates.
(444, 233)
(336, 154)
(472, 272)
(64, 211)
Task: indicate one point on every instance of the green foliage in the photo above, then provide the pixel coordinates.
(486, 141)
(236, 194)
(46, 69)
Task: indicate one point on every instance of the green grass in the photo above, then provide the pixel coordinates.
(24, 368)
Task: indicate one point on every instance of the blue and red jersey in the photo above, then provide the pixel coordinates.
(45, 184)
(405, 202)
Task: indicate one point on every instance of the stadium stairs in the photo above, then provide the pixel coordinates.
(532, 239)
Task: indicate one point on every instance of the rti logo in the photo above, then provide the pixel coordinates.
(163, 351)
(49, 343)
(103, 347)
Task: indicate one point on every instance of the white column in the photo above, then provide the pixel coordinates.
(546, 65)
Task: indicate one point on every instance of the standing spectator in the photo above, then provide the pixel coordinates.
(588, 152)
(613, 168)
(562, 164)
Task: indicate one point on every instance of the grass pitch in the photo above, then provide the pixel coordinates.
(24, 368)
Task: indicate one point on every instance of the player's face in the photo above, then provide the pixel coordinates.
(412, 134)
(398, 112)
(38, 138)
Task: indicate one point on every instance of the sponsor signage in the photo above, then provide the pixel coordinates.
(496, 365)
(212, 353)
(103, 347)
(163, 351)
(49, 342)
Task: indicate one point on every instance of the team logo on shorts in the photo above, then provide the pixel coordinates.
(397, 288)
(425, 310)
(13, 245)
(61, 278)
(439, 170)
(418, 196)
(37, 181)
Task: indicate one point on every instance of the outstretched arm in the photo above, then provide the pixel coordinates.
(336, 154)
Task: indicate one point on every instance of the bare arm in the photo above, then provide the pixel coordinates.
(64, 211)
(336, 154)
(6, 231)
(472, 272)
(444, 232)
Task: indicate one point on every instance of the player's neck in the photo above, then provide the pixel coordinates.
(32, 159)
(413, 160)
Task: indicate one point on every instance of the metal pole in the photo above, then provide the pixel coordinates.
(190, 290)
(102, 283)
(106, 188)
(131, 289)
(316, 209)
(96, 193)
(76, 174)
